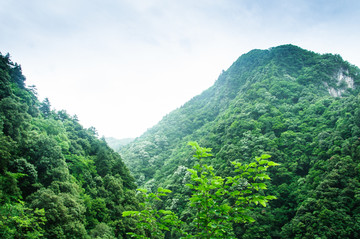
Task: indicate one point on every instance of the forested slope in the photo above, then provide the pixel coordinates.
(300, 107)
(57, 179)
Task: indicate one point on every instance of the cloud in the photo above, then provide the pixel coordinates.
(122, 65)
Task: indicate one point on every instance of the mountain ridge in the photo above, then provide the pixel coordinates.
(276, 101)
(231, 86)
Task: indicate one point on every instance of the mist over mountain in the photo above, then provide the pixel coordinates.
(300, 107)
(116, 144)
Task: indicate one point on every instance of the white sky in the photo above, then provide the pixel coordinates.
(121, 65)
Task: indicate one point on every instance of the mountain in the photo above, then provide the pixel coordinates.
(116, 144)
(57, 179)
(300, 107)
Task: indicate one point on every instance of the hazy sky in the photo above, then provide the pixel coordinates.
(121, 65)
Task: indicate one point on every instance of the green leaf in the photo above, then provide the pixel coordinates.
(193, 144)
(142, 190)
(251, 170)
(229, 180)
(163, 190)
(189, 185)
(253, 165)
(262, 202)
(270, 197)
(165, 211)
(192, 171)
(262, 186)
(265, 156)
(261, 168)
(271, 163)
(248, 218)
(262, 176)
(129, 213)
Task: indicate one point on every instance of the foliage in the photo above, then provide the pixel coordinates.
(300, 106)
(150, 221)
(275, 101)
(217, 202)
(57, 179)
(19, 221)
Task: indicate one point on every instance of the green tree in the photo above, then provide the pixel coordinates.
(45, 108)
(217, 202)
(64, 213)
(19, 221)
(151, 222)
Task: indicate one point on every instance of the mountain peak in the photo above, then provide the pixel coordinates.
(327, 72)
(279, 75)
(296, 105)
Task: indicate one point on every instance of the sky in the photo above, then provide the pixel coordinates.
(122, 65)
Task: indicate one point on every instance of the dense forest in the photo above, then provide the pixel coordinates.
(57, 179)
(284, 106)
(300, 107)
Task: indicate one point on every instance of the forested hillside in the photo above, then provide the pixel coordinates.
(301, 108)
(57, 179)
(116, 144)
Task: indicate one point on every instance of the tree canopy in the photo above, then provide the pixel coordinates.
(57, 179)
(300, 107)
